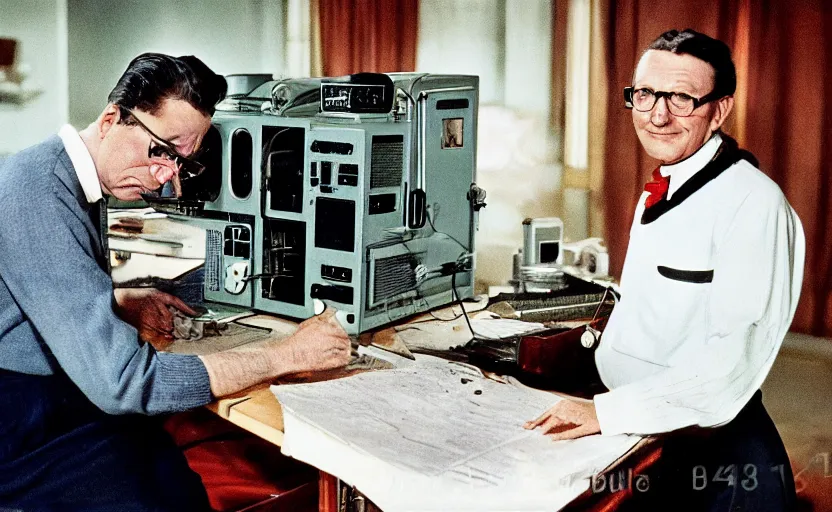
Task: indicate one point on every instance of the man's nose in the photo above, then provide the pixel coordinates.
(660, 116)
(161, 173)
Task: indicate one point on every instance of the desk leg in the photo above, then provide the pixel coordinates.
(327, 493)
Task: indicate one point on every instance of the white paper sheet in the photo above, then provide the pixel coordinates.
(421, 438)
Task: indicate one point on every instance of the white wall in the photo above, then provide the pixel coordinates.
(243, 36)
(507, 43)
(464, 37)
(528, 56)
(40, 28)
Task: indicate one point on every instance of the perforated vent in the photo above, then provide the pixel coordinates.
(386, 161)
(213, 259)
(393, 276)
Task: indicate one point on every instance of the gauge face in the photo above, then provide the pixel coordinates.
(355, 98)
(370, 96)
(335, 97)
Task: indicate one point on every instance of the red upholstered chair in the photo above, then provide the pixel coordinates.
(240, 471)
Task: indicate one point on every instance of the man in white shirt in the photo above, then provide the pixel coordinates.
(710, 284)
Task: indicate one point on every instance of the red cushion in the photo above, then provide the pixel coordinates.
(240, 469)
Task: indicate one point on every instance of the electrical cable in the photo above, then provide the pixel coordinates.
(430, 221)
(455, 296)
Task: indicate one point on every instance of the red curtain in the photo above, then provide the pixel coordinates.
(368, 35)
(783, 115)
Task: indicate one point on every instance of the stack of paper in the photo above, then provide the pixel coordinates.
(439, 436)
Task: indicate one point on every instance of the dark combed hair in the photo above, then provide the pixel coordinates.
(713, 51)
(152, 78)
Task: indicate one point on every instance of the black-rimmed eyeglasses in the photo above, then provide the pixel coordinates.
(679, 104)
(187, 167)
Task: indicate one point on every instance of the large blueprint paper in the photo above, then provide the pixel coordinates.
(438, 436)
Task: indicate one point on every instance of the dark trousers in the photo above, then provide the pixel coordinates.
(741, 466)
(59, 452)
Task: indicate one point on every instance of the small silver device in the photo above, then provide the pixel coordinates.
(542, 240)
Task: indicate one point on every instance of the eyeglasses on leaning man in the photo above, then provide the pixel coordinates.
(679, 104)
(187, 166)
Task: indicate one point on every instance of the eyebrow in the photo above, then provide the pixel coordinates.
(678, 83)
(170, 145)
(148, 130)
(678, 89)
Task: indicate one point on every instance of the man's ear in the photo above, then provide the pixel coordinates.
(723, 108)
(108, 118)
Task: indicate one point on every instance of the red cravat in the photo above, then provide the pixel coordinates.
(657, 188)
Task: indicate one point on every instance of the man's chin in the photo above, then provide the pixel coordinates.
(129, 193)
(664, 153)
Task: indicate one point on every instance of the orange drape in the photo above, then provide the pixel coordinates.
(368, 35)
(783, 115)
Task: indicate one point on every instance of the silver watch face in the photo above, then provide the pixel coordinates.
(587, 339)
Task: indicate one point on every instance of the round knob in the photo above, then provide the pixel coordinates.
(589, 337)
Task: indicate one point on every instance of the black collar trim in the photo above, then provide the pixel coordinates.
(727, 155)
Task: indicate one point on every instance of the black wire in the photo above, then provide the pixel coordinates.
(444, 319)
(430, 221)
(455, 296)
(435, 318)
(412, 101)
(416, 287)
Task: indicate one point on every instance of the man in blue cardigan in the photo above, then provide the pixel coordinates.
(76, 380)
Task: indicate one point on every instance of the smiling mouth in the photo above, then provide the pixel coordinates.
(661, 134)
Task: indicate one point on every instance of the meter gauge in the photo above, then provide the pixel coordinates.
(354, 98)
(335, 97)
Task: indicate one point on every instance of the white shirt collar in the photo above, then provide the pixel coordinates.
(82, 162)
(681, 172)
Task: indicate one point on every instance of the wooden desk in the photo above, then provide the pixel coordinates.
(256, 410)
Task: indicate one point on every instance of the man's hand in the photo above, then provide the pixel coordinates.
(146, 309)
(320, 343)
(568, 419)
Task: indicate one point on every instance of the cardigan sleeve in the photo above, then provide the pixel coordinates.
(47, 262)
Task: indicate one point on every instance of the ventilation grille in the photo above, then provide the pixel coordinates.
(393, 276)
(386, 161)
(213, 259)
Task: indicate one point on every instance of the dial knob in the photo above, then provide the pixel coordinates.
(589, 337)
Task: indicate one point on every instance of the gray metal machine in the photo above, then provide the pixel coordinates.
(358, 191)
